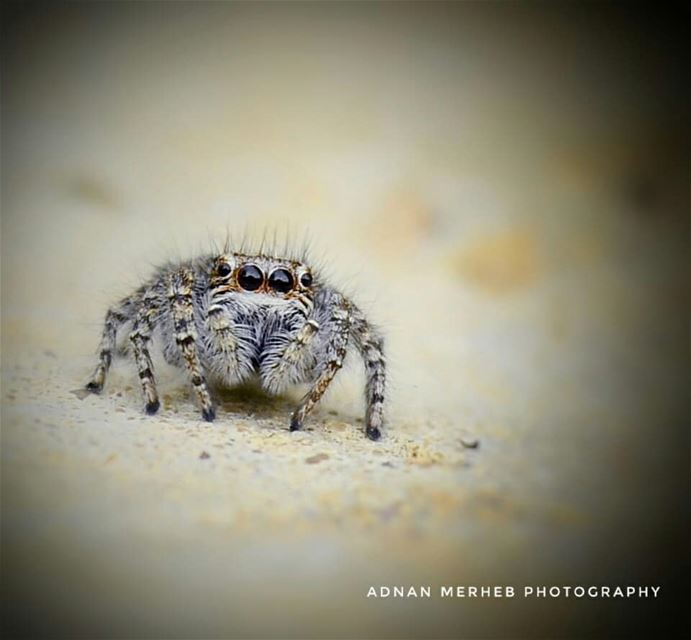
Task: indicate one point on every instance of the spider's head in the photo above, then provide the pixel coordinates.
(263, 274)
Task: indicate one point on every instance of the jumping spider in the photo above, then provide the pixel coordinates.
(236, 316)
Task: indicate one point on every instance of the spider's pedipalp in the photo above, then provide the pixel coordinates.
(280, 367)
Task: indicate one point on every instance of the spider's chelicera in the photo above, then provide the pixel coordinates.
(234, 316)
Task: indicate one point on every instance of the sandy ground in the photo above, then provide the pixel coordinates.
(523, 249)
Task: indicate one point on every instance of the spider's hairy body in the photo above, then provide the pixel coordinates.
(233, 316)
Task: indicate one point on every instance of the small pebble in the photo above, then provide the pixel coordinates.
(318, 458)
(470, 443)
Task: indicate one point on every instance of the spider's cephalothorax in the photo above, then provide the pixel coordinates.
(234, 316)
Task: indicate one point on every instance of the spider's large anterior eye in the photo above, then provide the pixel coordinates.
(281, 280)
(224, 269)
(250, 277)
(306, 280)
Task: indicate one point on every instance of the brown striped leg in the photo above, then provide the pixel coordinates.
(336, 349)
(371, 346)
(114, 319)
(140, 337)
(180, 294)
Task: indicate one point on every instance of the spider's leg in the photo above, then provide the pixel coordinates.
(115, 318)
(335, 343)
(140, 337)
(371, 346)
(180, 294)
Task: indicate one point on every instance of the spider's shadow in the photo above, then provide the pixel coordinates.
(250, 399)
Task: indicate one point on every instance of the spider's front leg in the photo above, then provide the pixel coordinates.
(330, 352)
(180, 297)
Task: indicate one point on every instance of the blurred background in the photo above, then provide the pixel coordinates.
(503, 187)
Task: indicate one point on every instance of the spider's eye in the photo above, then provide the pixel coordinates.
(281, 280)
(224, 269)
(250, 277)
(306, 280)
